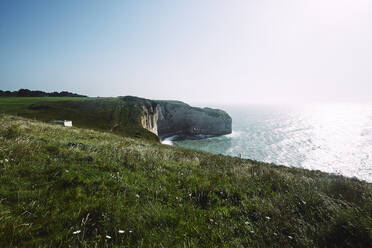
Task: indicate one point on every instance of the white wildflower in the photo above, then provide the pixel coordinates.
(252, 231)
(190, 194)
(137, 195)
(275, 234)
(6, 160)
(290, 237)
(211, 220)
(247, 223)
(121, 231)
(76, 232)
(108, 237)
(268, 218)
(130, 231)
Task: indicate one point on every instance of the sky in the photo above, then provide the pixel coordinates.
(210, 51)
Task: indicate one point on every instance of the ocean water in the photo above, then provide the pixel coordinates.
(334, 138)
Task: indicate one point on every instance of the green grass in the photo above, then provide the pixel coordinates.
(55, 181)
(118, 115)
(14, 105)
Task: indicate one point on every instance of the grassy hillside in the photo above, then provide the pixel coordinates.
(71, 187)
(118, 115)
(15, 105)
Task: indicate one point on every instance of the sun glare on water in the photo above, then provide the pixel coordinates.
(334, 138)
(342, 139)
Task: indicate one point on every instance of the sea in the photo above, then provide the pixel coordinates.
(334, 138)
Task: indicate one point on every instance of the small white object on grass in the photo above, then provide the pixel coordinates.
(108, 237)
(76, 232)
(121, 231)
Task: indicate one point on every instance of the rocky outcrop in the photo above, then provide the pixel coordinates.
(174, 118)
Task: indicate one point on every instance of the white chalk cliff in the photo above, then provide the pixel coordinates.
(169, 118)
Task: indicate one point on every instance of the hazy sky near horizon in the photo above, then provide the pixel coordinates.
(215, 51)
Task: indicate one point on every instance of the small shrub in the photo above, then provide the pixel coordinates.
(348, 229)
(11, 132)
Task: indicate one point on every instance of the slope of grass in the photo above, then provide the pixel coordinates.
(71, 187)
(15, 105)
(118, 115)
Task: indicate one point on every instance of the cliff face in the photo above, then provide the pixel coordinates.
(150, 117)
(169, 118)
(135, 117)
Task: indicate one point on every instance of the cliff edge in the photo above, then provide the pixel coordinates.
(175, 118)
(136, 117)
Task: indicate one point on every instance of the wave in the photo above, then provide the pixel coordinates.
(233, 134)
(169, 141)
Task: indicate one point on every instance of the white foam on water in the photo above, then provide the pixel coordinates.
(233, 134)
(168, 141)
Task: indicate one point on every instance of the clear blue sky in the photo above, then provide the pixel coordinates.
(192, 50)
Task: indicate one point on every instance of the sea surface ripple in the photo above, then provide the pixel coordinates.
(334, 138)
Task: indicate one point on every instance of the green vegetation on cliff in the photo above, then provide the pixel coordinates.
(19, 105)
(74, 187)
(118, 115)
(126, 116)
